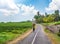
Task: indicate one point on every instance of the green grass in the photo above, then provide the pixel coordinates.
(4, 37)
(10, 30)
(57, 23)
(51, 23)
(46, 30)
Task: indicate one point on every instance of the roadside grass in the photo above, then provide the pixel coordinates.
(4, 37)
(47, 31)
(11, 30)
(54, 38)
(51, 23)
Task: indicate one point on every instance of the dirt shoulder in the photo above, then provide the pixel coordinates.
(53, 38)
(21, 37)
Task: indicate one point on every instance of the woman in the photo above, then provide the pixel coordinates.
(33, 26)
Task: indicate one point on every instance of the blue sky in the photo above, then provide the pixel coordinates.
(38, 4)
(22, 10)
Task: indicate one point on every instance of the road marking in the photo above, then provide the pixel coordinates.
(34, 38)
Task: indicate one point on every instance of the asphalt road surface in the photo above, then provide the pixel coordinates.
(36, 37)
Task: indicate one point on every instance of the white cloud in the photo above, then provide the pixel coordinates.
(9, 7)
(27, 9)
(54, 5)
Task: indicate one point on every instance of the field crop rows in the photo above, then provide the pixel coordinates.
(11, 30)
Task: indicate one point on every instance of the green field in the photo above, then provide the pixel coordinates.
(11, 30)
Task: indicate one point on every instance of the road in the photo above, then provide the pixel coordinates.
(36, 37)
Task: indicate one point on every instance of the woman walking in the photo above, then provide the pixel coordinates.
(33, 26)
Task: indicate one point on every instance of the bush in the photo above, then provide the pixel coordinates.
(58, 34)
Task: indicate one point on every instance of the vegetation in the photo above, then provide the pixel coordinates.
(51, 23)
(11, 30)
(47, 18)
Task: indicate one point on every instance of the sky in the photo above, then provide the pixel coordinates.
(22, 10)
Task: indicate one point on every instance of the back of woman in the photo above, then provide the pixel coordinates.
(33, 27)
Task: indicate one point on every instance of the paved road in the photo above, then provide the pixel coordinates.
(37, 37)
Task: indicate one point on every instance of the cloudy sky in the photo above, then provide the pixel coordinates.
(22, 10)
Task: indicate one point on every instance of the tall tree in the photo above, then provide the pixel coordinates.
(46, 14)
(38, 17)
(38, 13)
(57, 12)
(57, 17)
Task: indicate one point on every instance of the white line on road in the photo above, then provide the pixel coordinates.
(34, 38)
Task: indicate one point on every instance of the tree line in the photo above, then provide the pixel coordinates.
(47, 17)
